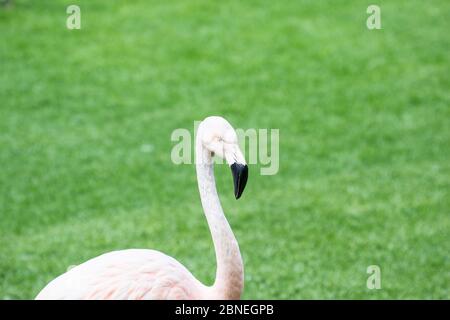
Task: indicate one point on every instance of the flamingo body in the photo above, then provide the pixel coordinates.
(150, 274)
(126, 274)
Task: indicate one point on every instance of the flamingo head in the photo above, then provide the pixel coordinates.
(221, 140)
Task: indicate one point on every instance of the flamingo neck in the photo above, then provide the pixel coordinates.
(230, 272)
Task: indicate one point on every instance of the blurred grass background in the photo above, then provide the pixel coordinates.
(86, 117)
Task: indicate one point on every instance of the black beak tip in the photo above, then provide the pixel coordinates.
(240, 176)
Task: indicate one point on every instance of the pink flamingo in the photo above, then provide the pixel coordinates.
(150, 274)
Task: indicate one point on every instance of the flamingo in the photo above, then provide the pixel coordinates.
(150, 274)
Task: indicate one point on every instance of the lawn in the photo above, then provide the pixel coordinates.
(364, 117)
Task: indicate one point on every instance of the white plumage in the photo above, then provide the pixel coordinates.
(126, 274)
(150, 274)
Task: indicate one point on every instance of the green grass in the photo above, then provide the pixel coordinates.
(364, 140)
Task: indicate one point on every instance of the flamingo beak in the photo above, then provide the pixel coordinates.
(240, 175)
